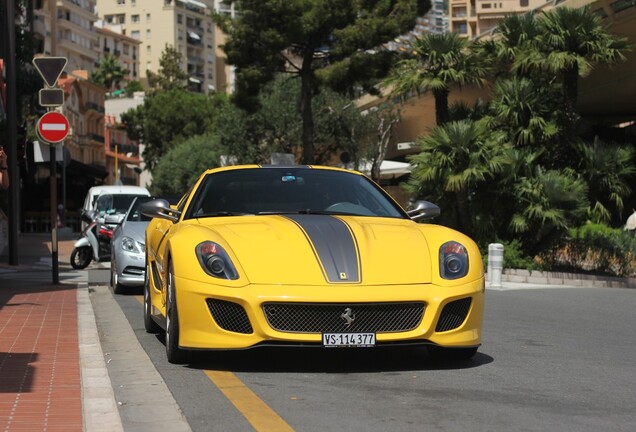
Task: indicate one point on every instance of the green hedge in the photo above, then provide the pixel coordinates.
(596, 249)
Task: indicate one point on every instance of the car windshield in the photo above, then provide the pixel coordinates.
(115, 203)
(134, 215)
(281, 190)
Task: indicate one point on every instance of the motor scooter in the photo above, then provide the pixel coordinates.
(94, 243)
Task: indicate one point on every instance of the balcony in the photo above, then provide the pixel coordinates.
(94, 106)
(97, 138)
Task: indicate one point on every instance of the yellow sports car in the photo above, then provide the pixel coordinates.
(306, 256)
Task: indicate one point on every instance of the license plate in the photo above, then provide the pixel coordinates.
(348, 339)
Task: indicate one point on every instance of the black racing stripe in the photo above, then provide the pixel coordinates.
(334, 244)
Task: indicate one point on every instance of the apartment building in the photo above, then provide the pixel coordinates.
(124, 48)
(65, 28)
(472, 18)
(225, 74)
(438, 19)
(435, 21)
(185, 25)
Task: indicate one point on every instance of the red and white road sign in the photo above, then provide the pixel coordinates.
(53, 127)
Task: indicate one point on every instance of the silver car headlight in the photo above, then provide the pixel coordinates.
(131, 245)
(453, 260)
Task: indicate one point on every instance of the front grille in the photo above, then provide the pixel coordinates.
(331, 318)
(453, 314)
(230, 316)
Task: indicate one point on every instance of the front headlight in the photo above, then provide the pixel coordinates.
(453, 260)
(131, 245)
(215, 261)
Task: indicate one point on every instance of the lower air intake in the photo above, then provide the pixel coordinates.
(230, 316)
(453, 315)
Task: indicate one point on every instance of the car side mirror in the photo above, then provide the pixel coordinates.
(87, 216)
(160, 208)
(423, 210)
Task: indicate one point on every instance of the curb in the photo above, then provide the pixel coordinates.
(99, 407)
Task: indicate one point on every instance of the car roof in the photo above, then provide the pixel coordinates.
(240, 167)
(118, 189)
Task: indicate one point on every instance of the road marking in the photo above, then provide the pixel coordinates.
(257, 412)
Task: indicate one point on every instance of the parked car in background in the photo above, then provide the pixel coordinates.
(127, 258)
(94, 193)
(307, 256)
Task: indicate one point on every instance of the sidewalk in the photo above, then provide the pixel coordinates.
(52, 371)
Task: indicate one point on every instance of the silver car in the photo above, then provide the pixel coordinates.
(128, 249)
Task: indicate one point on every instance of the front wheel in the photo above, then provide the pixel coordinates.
(81, 257)
(114, 279)
(175, 354)
(149, 324)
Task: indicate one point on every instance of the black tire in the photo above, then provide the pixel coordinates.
(175, 354)
(150, 325)
(451, 354)
(81, 257)
(117, 287)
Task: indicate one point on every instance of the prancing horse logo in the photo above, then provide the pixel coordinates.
(348, 316)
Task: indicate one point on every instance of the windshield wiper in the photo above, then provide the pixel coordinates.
(307, 212)
(221, 213)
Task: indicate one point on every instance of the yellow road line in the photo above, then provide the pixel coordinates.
(257, 412)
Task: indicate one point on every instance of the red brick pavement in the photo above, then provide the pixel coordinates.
(40, 382)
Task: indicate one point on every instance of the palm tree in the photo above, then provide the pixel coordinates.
(438, 62)
(109, 73)
(608, 170)
(457, 161)
(512, 34)
(547, 202)
(520, 108)
(569, 43)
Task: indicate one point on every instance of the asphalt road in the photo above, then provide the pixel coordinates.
(552, 359)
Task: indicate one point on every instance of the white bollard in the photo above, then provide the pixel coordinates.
(495, 264)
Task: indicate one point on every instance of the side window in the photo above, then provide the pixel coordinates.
(184, 200)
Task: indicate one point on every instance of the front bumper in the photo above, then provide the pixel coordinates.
(452, 315)
(131, 269)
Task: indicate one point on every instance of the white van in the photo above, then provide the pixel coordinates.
(90, 202)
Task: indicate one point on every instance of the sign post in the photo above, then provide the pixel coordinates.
(52, 128)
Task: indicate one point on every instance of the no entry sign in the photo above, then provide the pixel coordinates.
(53, 127)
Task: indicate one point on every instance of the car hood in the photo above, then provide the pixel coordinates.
(320, 249)
(135, 230)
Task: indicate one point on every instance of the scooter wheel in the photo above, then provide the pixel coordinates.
(81, 258)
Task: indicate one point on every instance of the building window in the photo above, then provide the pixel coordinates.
(126, 49)
(148, 34)
(149, 66)
(147, 17)
(523, 3)
(121, 2)
(134, 18)
(487, 5)
(148, 49)
(135, 34)
(179, 19)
